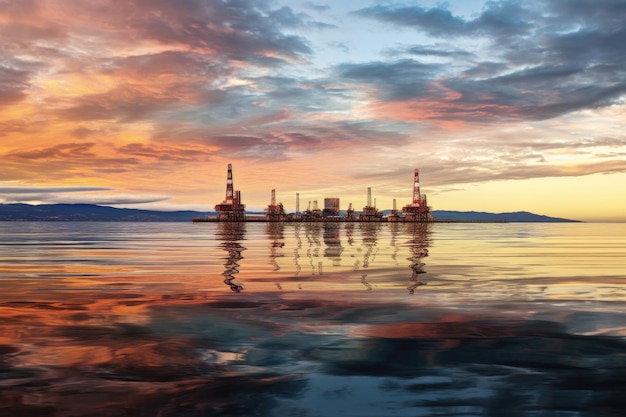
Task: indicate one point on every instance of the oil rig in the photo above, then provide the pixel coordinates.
(370, 213)
(418, 210)
(233, 210)
(276, 212)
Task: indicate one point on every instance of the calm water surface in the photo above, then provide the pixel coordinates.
(182, 319)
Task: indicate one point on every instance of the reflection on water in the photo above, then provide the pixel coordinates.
(231, 234)
(419, 250)
(350, 319)
(320, 248)
(332, 240)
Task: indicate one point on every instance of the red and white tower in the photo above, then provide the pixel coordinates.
(231, 209)
(417, 197)
(229, 185)
(418, 210)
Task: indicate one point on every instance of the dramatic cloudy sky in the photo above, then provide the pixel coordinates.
(502, 105)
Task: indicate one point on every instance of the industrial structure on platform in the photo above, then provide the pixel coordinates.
(233, 210)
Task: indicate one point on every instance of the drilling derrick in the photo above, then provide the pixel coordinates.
(370, 213)
(395, 215)
(350, 212)
(418, 210)
(275, 212)
(307, 215)
(298, 214)
(231, 208)
(239, 212)
(314, 213)
(317, 212)
(417, 198)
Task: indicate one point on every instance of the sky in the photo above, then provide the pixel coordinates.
(502, 105)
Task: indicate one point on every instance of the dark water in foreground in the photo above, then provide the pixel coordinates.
(146, 319)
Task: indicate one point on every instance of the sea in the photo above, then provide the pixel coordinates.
(126, 319)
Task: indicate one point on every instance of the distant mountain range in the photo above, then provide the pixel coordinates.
(518, 216)
(88, 212)
(92, 212)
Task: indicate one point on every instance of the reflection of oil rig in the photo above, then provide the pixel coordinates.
(232, 209)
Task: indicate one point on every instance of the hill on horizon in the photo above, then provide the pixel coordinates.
(87, 212)
(513, 217)
(93, 212)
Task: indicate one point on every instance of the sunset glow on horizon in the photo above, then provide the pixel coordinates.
(503, 106)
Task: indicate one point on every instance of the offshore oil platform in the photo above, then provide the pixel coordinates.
(233, 210)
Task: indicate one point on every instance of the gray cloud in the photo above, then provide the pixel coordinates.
(435, 21)
(207, 40)
(441, 51)
(73, 195)
(123, 103)
(168, 63)
(608, 14)
(317, 7)
(399, 80)
(109, 200)
(464, 172)
(505, 18)
(165, 153)
(61, 151)
(550, 60)
(241, 28)
(13, 84)
(277, 143)
(62, 198)
(21, 33)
